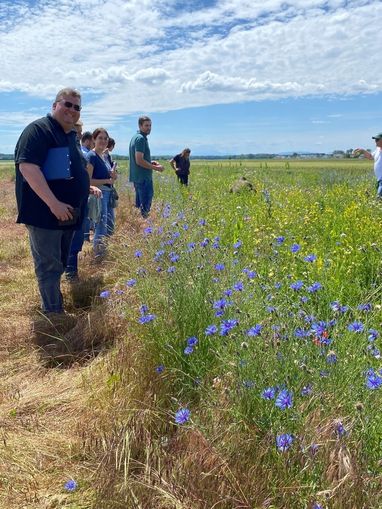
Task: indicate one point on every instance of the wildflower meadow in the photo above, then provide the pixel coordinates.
(253, 323)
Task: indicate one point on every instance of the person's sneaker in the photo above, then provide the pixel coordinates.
(72, 277)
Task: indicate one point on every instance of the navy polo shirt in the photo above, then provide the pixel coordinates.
(32, 147)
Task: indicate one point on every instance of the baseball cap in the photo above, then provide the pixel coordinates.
(377, 136)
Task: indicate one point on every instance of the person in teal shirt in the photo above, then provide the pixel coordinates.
(142, 167)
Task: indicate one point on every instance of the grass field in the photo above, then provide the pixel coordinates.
(228, 350)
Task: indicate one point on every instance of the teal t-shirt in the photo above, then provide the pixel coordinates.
(139, 143)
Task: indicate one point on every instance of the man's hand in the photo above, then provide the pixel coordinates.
(63, 211)
(157, 166)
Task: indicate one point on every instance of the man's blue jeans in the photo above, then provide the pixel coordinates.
(144, 192)
(50, 250)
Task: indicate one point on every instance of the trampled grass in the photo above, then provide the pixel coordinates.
(247, 371)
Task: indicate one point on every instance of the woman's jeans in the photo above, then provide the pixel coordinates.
(50, 250)
(105, 227)
(144, 192)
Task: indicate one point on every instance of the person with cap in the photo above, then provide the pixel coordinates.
(376, 155)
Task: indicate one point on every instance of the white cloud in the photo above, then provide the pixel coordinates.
(146, 55)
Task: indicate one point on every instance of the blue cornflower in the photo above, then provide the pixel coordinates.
(141, 271)
(105, 294)
(138, 254)
(228, 292)
(356, 327)
(248, 384)
(307, 390)
(278, 285)
(185, 227)
(271, 309)
(337, 307)
(159, 254)
(373, 334)
(227, 326)
(310, 258)
(210, 330)
(143, 309)
(146, 318)
(374, 351)
(316, 505)
(171, 269)
(70, 485)
(340, 429)
(237, 244)
(280, 239)
(219, 266)
(215, 244)
(284, 400)
(295, 248)
(238, 286)
(365, 307)
(205, 242)
(373, 380)
(160, 368)
(331, 358)
(304, 299)
(251, 274)
(284, 441)
(202, 222)
(191, 246)
(131, 282)
(221, 304)
(176, 235)
(182, 415)
(255, 330)
(300, 333)
(319, 328)
(314, 287)
(297, 285)
(174, 257)
(148, 230)
(268, 393)
(188, 350)
(192, 341)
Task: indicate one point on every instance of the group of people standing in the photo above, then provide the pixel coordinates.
(65, 185)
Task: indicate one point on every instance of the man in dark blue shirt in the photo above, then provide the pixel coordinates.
(51, 208)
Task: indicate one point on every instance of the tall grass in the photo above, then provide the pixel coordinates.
(259, 313)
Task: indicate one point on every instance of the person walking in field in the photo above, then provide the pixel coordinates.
(52, 188)
(376, 155)
(181, 165)
(142, 167)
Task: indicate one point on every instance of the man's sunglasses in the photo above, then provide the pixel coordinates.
(68, 104)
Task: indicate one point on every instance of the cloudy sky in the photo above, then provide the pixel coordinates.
(220, 76)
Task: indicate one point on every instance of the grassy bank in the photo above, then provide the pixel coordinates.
(236, 361)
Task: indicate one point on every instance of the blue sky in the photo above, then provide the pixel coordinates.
(219, 76)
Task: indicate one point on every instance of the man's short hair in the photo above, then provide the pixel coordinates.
(86, 136)
(72, 92)
(143, 119)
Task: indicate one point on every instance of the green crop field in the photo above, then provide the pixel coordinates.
(258, 319)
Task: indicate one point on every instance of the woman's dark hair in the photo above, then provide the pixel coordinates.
(99, 130)
(111, 143)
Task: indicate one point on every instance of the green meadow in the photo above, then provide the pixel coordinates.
(242, 368)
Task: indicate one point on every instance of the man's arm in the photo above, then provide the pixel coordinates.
(35, 178)
(144, 164)
(364, 152)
